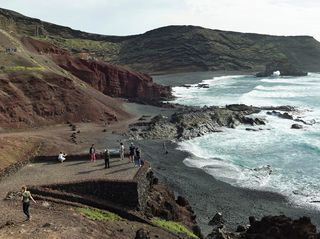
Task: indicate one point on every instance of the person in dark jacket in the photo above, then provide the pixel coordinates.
(106, 158)
(137, 157)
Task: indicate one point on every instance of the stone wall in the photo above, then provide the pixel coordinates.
(130, 194)
(142, 181)
(122, 193)
(8, 171)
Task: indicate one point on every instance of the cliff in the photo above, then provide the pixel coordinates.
(112, 80)
(43, 84)
(175, 48)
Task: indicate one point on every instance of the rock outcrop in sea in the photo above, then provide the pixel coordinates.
(190, 122)
(284, 67)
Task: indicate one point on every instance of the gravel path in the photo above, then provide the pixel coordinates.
(55, 172)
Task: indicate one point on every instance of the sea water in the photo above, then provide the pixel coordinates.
(275, 158)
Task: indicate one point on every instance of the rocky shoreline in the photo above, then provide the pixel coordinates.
(189, 122)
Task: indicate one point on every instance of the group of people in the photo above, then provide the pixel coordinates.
(134, 157)
(134, 154)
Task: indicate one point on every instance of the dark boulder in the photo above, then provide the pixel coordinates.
(216, 220)
(280, 115)
(182, 201)
(296, 126)
(281, 227)
(241, 228)
(252, 129)
(142, 234)
(242, 107)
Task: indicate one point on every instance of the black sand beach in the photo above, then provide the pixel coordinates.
(208, 195)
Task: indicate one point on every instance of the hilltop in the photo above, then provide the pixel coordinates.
(175, 49)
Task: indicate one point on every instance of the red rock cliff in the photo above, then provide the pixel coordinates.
(112, 80)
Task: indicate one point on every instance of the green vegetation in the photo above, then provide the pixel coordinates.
(90, 44)
(173, 227)
(83, 44)
(99, 215)
(23, 68)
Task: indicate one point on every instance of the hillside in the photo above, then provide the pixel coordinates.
(42, 84)
(174, 48)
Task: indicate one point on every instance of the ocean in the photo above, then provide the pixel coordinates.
(275, 158)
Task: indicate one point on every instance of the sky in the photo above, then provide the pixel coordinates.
(127, 17)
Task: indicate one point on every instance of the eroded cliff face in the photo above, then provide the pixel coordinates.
(34, 100)
(112, 80)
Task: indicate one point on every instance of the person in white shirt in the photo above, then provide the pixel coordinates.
(121, 151)
(62, 157)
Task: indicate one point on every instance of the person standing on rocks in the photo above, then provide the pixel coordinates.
(26, 196)
(106, 158)
(121, 151)
(131, 152)
(92, 152)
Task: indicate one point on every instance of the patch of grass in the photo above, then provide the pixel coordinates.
(173, 227)
(23, 68)
(98, 215)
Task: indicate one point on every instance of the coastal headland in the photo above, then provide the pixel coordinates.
(63, 90)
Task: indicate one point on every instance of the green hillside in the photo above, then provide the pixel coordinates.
(175, 48)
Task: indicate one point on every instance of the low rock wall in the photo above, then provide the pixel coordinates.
(131, 194)
(8, 171)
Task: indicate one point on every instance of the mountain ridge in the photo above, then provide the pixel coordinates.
(174, 49)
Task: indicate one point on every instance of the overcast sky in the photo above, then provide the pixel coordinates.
(124, 17)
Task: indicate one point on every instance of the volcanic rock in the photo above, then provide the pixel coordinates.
(281, 227)
(216, 220)
(296, 126)
(142, 234)
(112, 80)
(285, 68)
(281, 115)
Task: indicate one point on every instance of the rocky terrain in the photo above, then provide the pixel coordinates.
(190, 122)
(42, 84)
(269, 227)
(175, 48)
(283, 67)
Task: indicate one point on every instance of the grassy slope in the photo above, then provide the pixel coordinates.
(175, 48)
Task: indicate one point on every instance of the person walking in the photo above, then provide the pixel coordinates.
(92, 152)
(26, 196)
(121, 151)
(106, 158)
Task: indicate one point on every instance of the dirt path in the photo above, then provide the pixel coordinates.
(52, 220)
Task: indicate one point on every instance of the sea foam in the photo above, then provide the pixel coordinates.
(243, 158)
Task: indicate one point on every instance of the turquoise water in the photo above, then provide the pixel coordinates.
(241, 157)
